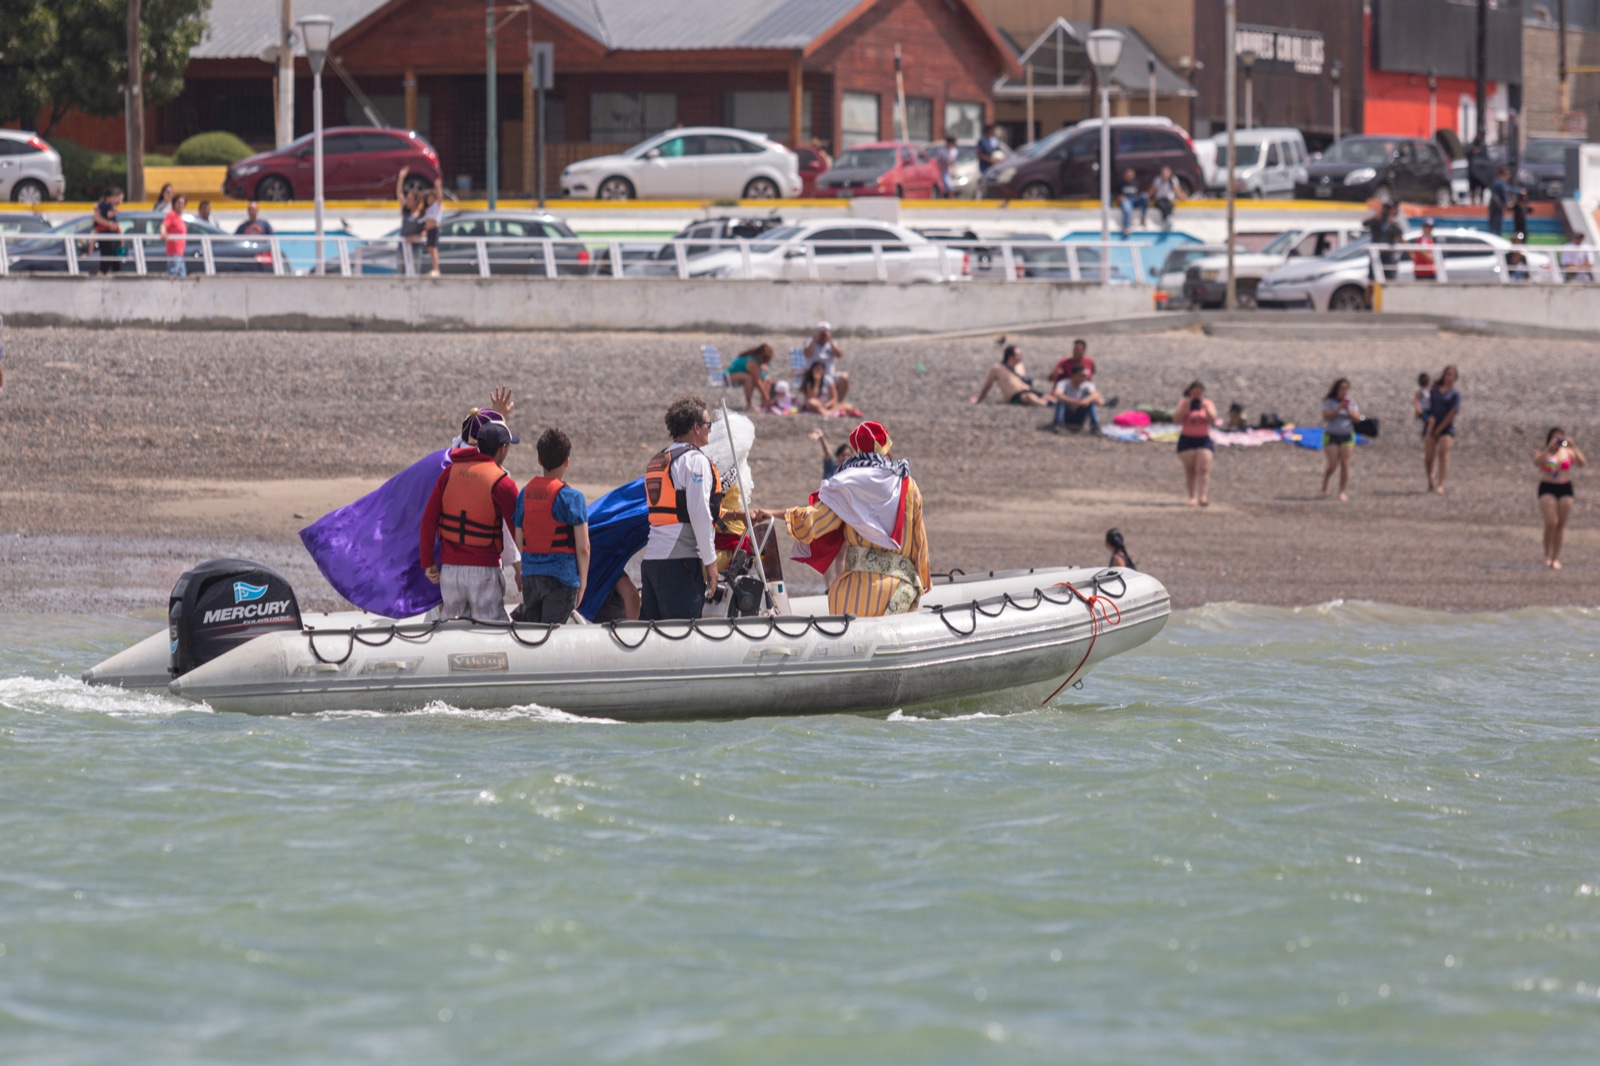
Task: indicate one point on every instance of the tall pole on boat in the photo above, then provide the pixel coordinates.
(744, 497)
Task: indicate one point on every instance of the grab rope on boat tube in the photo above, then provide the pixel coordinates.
(1105, 605)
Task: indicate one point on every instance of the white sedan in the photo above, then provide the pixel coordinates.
(839, 249)
(694, 163)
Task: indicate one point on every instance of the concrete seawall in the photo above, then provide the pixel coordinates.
(243, 302)
(1473, 306)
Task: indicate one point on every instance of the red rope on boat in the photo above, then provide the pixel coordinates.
(1091, 602)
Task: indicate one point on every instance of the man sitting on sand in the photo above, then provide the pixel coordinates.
(1077, 403)
(1012, 379)
(1079, 357)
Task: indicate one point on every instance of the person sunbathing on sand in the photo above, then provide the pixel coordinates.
(1012, 379)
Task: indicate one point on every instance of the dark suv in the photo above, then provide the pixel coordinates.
(358, 163)
(1066, 164)
(1381, 168)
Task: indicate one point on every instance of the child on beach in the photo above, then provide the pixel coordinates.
(1119, 550)
(1419, 399)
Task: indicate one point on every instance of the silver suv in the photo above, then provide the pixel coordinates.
(30, 170)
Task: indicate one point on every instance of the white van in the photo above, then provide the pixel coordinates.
(1269, 160)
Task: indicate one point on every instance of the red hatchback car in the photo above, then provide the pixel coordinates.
(887, 168)
(358, 163)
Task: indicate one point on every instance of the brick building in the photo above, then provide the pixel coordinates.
(624, 70)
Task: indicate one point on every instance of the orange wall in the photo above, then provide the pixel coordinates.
(1398, 103)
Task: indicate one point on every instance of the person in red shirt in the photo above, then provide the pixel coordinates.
(1422, 263)
(471, 502)
(175, 230)
(1079, 357)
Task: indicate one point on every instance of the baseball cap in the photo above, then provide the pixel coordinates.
(494, 436)
(824, 327)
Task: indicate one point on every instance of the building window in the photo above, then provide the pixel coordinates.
(767, 113)
(618, 118)
(964, 122)
(919, 119)
(859, 117)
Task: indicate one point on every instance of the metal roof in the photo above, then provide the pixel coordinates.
(243, 29)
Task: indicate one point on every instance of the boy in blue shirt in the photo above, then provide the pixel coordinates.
(552, 532)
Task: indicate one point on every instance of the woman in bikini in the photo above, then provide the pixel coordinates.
(1011, 378)
(1555, 462)
(749, 370)
(1195, 415)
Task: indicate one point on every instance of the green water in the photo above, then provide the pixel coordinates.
(1351, 833)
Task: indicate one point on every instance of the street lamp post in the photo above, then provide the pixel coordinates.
(1230, 93)
(1334, 72)
(1150, 73)
(1433, 102)
(316, 31)
(1247, 60)
(1105, 48)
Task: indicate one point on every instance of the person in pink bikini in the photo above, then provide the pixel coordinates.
(1554, 462)
(1195, 416)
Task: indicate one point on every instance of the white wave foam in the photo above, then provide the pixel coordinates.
(902, 716)
(531, 712)
(38, 695)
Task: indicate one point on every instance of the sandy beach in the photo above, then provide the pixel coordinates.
(131, 455)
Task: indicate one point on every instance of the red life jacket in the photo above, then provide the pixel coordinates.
(541, 533)
(467, 516)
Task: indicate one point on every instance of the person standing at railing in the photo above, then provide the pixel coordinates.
(1519, 216)
(946, 159)
(203, 212)
(1164, 197)
(1501, 196)
(991, 149)
(105, 221)
(254, 225)
(1131, 198)
(432, 218)
(1423, 266)
(1577, 262)
(1517, 259)
(174, 229)
(1385, 232)
(410, 218)
(164, 199)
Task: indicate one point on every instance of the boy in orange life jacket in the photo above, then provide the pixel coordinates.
(472, 498)
(552, 531)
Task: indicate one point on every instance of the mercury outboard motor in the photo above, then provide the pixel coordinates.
(220, 605)
(745, 588)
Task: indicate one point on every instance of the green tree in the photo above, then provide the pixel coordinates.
(73, 53)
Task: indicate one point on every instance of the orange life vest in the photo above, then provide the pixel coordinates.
(667, 502)
(467, 516)
(541, 533)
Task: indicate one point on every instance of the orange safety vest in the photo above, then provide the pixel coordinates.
(541, 533)
(668, 505)
(467, 516)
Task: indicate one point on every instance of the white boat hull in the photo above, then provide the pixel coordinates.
(1020, 631)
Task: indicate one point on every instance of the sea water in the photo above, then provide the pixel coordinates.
(1345, 833)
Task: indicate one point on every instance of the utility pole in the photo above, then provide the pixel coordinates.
(1483, 56)
(1230, 92)
(900, 95)
(492, 139)
(285, 73)
(1561, 61)
(1097, 17)
(133, 103)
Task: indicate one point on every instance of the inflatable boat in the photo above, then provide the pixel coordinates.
(1032, 632)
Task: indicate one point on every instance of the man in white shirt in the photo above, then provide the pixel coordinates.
(1077, 403)
(683, 492)
(1576, 262)
(822, 348)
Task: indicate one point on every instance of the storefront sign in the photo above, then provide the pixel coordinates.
(1278, 50)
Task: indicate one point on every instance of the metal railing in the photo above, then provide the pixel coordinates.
(556, 257)
(1536, 264)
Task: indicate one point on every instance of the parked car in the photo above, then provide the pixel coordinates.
(15, 223)
(662, 260)
(1169, 294)
(841, 248)
(693, 163)
(1382, 168)
(1268, 161)
(1544, 167)
(811, 168)
(1206, 282)
(1066, 164)
(883, 168)
(30, 170)
(1343, 280)
(965, 175)
(229, 254)
(358, 163)
(458, 251)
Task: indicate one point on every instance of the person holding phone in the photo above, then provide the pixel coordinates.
(1554, 462)
(1339, 417)
(1195, 447)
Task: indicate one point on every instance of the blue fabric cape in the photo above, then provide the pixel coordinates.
(619, 525)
